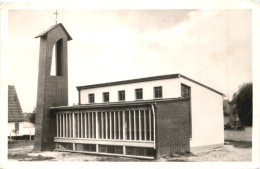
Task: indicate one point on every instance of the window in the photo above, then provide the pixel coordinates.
(158, 92)
(106, 97)
(185, 91)
(91, 98)
(111, 149)
(121, 95)
(139, 93)
(139, 151)
(16, 125)
(64, 146)
(85, 147)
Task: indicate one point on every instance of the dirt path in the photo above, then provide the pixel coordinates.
(231, 151)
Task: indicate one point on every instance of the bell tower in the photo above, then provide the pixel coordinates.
(52, 88)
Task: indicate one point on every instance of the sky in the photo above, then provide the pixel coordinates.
(213, 47)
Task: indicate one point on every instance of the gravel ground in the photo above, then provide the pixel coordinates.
(231, 151)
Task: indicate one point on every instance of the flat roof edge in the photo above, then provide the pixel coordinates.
(128, 81)
(118, 104)
(171, 76)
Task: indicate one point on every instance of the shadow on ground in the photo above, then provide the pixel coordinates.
(26, 157)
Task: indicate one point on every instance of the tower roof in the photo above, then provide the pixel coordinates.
(44, 33)
(15, 113)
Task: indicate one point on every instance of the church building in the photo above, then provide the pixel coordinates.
(147, 117)
(159, 115)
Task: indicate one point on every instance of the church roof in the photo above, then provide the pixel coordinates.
(15, 113)
(44, 33)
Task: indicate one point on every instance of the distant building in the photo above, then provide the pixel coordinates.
(28, 126)
(15, 113)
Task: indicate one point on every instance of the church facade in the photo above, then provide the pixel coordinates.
(144, 118)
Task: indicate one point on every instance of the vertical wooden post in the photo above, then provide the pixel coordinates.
(134, 125)
(80, 126)
(89, 125)
(73, 125)
(70, 117)
(106, 125)
(102, 125)
(63, 126)
(78, 123)
(86, 127)
(115, 121)
(119, 130)
(60, 125)
(97, 128)
(110, 125)
(92, 115)
(130, 126)
(145, 125)
(140, 126)
(124, 126)
(150, 126)
(67, 125)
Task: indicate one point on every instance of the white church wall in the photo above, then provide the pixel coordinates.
(207, 116)
(170, 89)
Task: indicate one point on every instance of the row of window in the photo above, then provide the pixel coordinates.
(111, 149)
(121, 95)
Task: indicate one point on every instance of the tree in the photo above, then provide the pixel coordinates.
(33, 116)
(242, 104)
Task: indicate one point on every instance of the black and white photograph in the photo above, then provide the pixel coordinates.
(162, 85)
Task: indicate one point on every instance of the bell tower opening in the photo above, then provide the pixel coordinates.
(56, 61)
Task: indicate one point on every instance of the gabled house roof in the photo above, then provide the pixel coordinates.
(44, 33)
(15, 113)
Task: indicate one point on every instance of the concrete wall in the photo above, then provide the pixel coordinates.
(172, 127)
(206, 116)
(239, 135)
(170, 89)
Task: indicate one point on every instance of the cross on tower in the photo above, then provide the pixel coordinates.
(56, 13)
